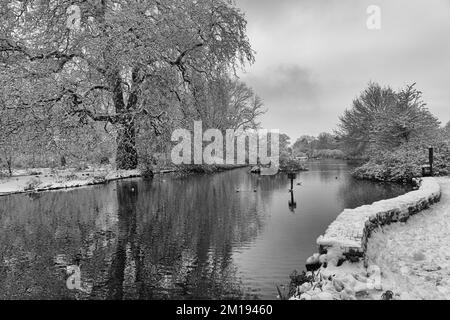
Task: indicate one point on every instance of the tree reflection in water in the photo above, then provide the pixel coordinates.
(201, 237)
(134, 239)
(354, 193)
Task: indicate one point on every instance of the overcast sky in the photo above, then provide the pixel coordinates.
(315, 56)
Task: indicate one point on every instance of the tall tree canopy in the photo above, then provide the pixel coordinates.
(393, 131)
(382, 119)
(116, 61)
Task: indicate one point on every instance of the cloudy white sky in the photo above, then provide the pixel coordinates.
(315, 56)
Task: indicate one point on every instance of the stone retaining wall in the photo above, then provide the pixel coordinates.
(352, 228)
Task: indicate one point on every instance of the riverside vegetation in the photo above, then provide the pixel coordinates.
(392, 131)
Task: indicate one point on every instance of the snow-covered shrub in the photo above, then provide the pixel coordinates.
(147, 165)
(299, 279)
(81, 167)
(100, 177)
(3, 173)
(71, 177)
(388, 295)
(32, 184)
(290, 164)
(33, 173)
(403, 164)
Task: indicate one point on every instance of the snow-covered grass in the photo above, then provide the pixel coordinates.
(47, 179)
(414, 257)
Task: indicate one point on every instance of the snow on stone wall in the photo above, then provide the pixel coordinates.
(352, 228)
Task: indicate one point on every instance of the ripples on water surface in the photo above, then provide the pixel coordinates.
(174, 237)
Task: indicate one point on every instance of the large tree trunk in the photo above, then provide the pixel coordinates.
(9, 164)
(126, 155)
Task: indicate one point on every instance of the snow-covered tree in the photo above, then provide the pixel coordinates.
(382, 119)
(117, 61)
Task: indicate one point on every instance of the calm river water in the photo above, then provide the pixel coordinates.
(227, 235)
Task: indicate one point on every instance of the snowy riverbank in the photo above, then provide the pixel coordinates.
(351, 230)
(45, 179)
(356, 261)
(413, 257)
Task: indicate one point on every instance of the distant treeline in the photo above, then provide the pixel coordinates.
(325, 145)
(390, 131)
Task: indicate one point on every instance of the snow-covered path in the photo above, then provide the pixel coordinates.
(414, 257)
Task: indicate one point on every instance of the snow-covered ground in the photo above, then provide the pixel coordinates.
(414, 257)
(47, 179)
(350, 229)
(43, 179)
(404, 260)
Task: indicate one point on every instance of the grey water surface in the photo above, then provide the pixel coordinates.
(227, 235)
